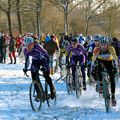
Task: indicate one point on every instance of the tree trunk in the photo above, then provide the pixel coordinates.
(19, 18)
(38, 23)
(38, 16)
(9, 23)
(9, 17)
(65, 22)
(87, 26)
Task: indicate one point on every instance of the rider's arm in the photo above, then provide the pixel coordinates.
(113, 52)
(68, 53)
(95, 54)
(27, 62)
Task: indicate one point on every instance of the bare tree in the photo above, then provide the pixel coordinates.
(66, 6)
(19, 16)
(38, 15)
(90, 9)
(35, 6)
(6, 7)
(111, 14)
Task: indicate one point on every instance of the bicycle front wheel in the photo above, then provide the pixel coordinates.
(78, 84)
(35, 101)
(69, 83)
(106, 95)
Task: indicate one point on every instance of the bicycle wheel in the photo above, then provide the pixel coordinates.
(106, 95)
(35, 103)
(78, 84)
(50, 102)
(69, 83)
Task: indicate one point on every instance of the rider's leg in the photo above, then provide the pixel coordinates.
(73, 74)
(84, 76)
(110, 69)
(49, 82)
(89, 64)
(100, 75)
(35, 77)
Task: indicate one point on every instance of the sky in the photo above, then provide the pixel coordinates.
(15, 104)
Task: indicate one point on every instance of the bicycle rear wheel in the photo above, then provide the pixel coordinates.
(106, 95)
(35, 103)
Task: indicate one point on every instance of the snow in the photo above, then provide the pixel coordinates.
(15, 105)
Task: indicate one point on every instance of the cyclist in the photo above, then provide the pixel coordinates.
(63, 46)
(107, 56)
(39, 58)
(76, 53)
(90, 48)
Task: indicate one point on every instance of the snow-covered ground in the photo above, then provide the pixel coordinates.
(15, 105)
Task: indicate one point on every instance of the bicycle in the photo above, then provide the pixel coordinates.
(69, 81)
(105, 88)
(62, 65)
(77, 86)
(44, 95)
(78, 81)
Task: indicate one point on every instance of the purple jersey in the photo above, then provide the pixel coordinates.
(39, 57)
(79, 51)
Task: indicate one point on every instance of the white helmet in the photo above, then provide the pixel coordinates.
(28, 40)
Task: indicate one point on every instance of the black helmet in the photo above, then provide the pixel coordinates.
(74, 39)
(96, 37)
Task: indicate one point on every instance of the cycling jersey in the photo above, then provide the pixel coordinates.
(107, 55)
(78, 51)
(39, 57)
(63, 45)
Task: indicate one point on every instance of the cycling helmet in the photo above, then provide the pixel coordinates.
(74, 39)
(28, 40)
(104, 40)
(88, 38)
(96, 37)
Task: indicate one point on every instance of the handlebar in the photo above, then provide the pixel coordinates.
(25, 73)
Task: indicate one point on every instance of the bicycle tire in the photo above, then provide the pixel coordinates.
(50, 102)
(106, 95)
(78, 84)
(46, 93)
(69, 83)
(32, 96)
